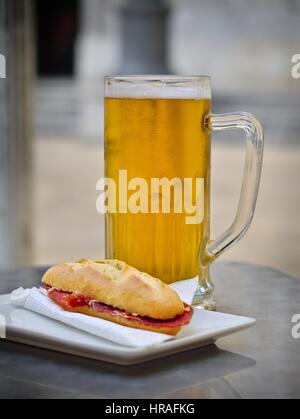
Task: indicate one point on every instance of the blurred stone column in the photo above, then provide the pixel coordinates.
(16, 44)
(93, 54)
(91, 38)
(144, 26)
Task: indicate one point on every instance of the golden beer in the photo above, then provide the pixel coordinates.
(158, 138)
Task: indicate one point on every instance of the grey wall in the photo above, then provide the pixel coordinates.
(15, 133)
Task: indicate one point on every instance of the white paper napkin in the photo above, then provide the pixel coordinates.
(35, 300)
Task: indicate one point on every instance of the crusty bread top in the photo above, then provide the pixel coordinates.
(117, 284)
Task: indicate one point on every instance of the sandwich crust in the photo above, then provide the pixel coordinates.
(118, 285)
(125, 322)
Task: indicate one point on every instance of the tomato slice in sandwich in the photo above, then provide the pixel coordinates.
(68, 301)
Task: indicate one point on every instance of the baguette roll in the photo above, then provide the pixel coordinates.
(118, 285)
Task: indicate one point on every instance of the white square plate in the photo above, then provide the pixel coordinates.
(29, 328)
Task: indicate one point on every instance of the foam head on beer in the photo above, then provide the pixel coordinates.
(156, 87)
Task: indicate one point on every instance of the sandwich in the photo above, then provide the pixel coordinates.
(114, 291)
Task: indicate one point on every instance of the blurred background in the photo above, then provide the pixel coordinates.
(51, 124)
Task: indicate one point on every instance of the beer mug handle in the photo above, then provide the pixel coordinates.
(251, 178)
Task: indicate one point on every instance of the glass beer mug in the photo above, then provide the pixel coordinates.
(158, 157)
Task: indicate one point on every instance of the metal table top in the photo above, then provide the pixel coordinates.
(262, 362)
